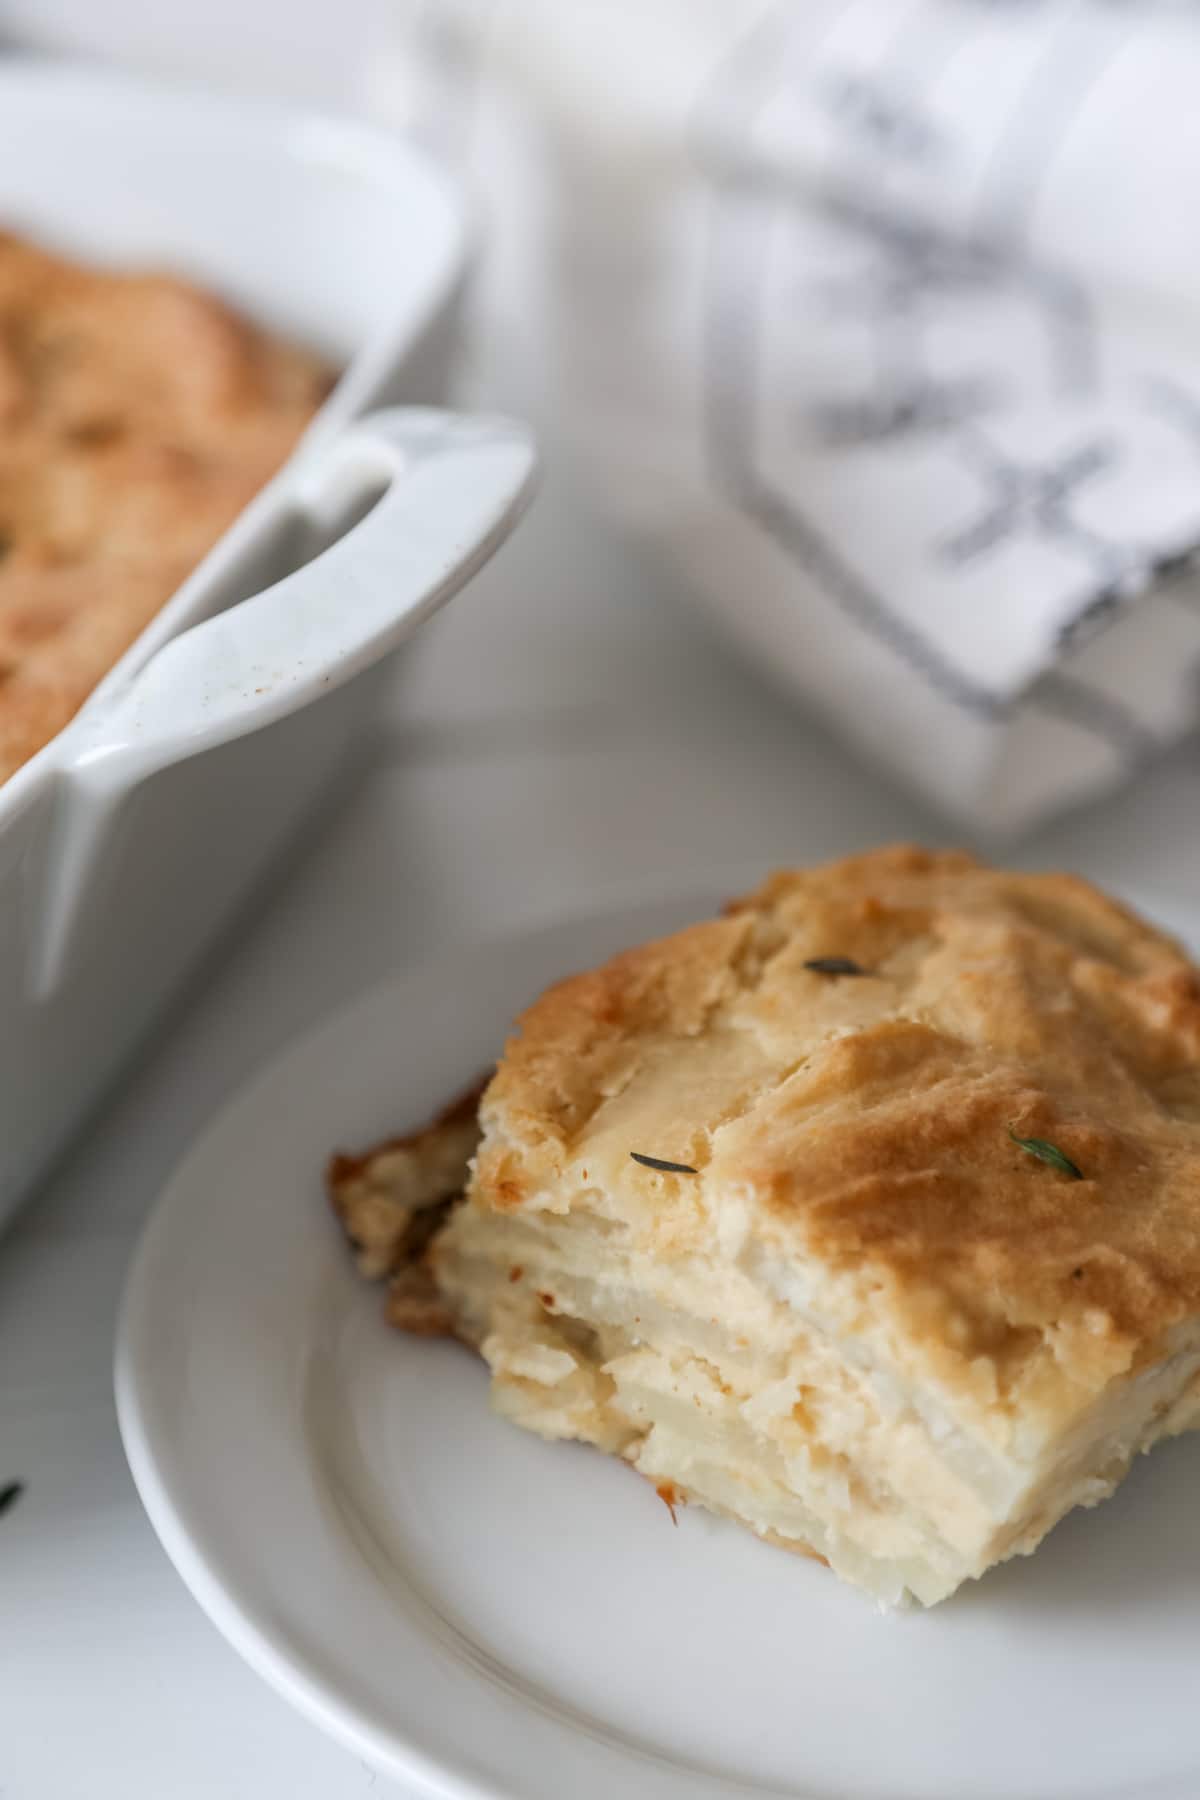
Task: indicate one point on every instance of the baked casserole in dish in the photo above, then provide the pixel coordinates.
(211, 546)
(138, 416)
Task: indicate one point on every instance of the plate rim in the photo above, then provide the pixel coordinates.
(238, 1620)
(285, 1669)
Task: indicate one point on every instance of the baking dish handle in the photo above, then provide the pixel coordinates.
(443, 490)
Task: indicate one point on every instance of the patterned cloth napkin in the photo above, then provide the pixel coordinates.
(882, 317)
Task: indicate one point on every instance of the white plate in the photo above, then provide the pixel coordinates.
(464, 1604)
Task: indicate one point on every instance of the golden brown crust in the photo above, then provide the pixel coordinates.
(138, 416)
(864, 1121)
(414, 1305)
(390, 1199)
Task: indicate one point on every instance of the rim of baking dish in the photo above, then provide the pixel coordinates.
(381, 159)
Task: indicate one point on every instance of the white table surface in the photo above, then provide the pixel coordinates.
(568, 731)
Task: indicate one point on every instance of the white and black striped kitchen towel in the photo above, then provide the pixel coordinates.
(883, 317)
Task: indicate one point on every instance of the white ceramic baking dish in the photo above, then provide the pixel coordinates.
(128, 842)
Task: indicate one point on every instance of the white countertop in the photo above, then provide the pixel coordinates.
(568, 730)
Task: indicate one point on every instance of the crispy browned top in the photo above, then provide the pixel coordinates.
(393, 1200)
(138, 415)
(863, 1121)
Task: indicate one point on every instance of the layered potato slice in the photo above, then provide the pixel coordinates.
(867, 1215)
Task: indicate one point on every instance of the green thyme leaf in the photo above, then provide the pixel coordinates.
(1048, 1153)
(657, 1162)
(835, 965)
